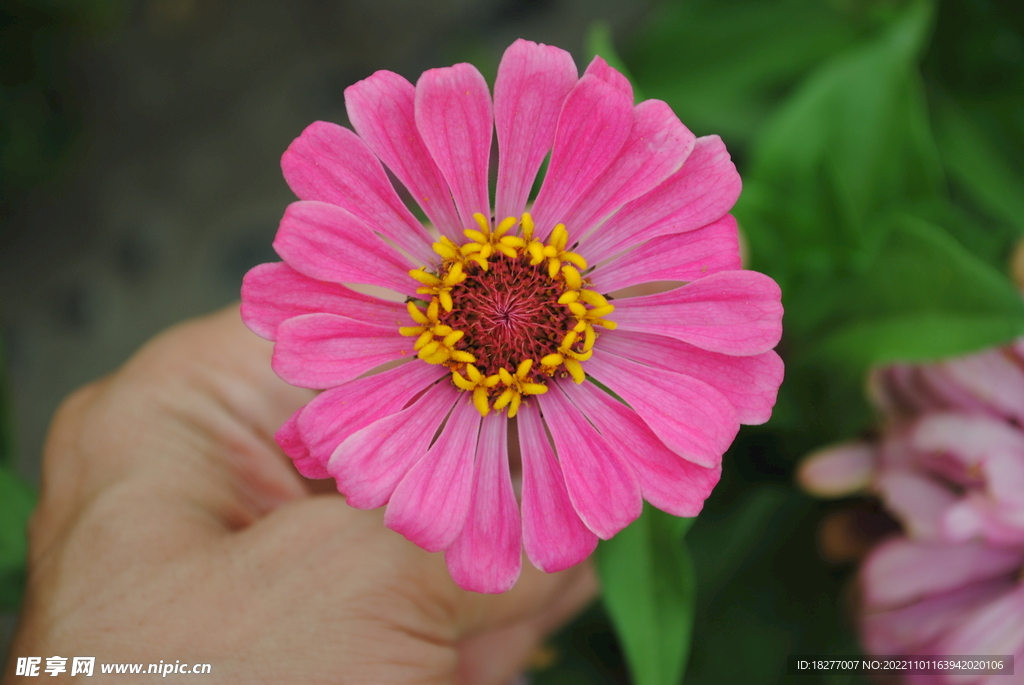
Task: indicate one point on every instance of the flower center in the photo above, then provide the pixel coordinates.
(507, 313)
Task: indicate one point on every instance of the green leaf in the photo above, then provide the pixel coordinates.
(648, 588)
(978, 166)
(923, 297)
(763, 593)
(719, 68)
(6, 437)
(599, 42)
(853, 139)
(16, 502)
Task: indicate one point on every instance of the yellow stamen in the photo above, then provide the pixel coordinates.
(428, 349)
(506, 250)
(599, 312)
(505, 226)
(553, 360)
(425, 337)
(536, 252)
(446, 248)
(477, 236)
(513, 408)
(484, 224)
(558, 238)
(417, 315)
(554, 264)
(572, 277)
(575, 370)
(440, 357)
(576, 259)
(423, 277)
(435, 341)
(504, 399)
(527, 223)
(516, 386)
(478, 383)
(480, 401)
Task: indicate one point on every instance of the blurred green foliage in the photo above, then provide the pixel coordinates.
(39, 122)
(880, 146)
(649, 590)
(16, 502)
(39, 114)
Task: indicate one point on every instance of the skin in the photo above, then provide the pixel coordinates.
(171, 527)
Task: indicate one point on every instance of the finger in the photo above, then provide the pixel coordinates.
(189, 418)
(495, 657)
(336, 556)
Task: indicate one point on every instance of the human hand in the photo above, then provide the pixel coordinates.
(170, 527)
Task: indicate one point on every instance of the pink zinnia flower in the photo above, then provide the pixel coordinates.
(509, 317)
(950, 468)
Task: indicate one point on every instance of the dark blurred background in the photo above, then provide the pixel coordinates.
(139, 180)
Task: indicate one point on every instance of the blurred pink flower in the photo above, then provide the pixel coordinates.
(507, 315)
(949, 467)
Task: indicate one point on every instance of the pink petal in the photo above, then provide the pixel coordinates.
(453, 115)
(332, 164)
(677, 257)
(327, 243)
(430, 504)
(533, 80)
(341, 411)
(902, 571)
(897, 390)
(592, 128)
(979, 515)
(287, 436)
(917, 501)
(324, 350)
(693, 419)
(554, 536)
(971, 439)
(488, 554)
(947, 392)
(657, 146)
(601, 485)
(963, 522)
(703, 190)
(733, 312)
(382, 110)
(915, 627)
(751, 384)
(371, 462)
(667, 481)
(272, 293)
(1004, 473)
(997, 628)
(613, 77)
(994, 378)
(839, 470)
